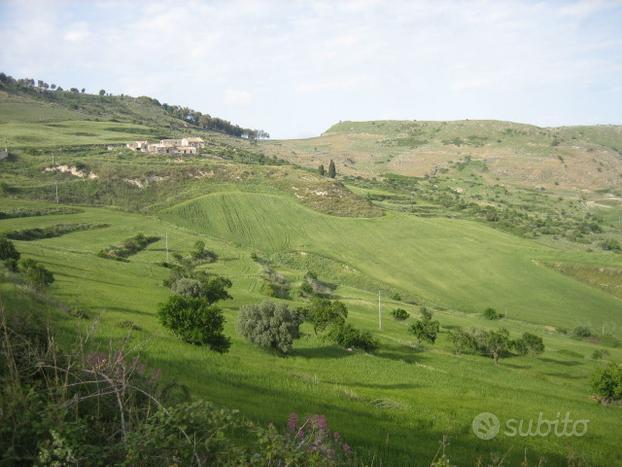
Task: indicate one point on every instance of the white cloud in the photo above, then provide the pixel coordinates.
(297, 67)
(237, 97)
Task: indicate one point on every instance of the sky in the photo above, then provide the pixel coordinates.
(293, 68)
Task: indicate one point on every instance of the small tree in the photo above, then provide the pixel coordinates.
(195, 321)
(425, 330)
(332, 172)
(36, 274)
(321, 170)
(102, 92)
(324, 313)
(607, 383)
(270, 325)
(496, 343)
(400, 314)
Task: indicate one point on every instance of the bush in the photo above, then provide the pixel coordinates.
(35, 273)
(270, 325)
(400, 314)
(582, 332)
(599, 354)
(349, 337)
(528, 344)
(491, 314)
(607, 383)
(610, 244)
(195, 321)
(8, 250)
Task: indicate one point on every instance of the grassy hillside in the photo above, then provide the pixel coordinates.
(457, 242)
(516, 154)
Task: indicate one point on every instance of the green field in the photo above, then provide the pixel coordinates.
(394, 405)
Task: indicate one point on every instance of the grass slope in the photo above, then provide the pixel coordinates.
(458, 264)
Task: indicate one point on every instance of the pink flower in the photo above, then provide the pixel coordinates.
(346, 448)
(336, 436)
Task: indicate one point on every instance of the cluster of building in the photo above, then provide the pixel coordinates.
(169, 146)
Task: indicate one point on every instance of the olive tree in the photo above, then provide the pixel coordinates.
(270, 325)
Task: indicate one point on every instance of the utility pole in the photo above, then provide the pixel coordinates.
(379, 312)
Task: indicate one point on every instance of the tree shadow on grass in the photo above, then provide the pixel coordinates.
(330, 351)
(560, 362)
(562, 375)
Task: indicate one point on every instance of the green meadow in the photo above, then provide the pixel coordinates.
(396, 404)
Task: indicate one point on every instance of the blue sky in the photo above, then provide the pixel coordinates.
(294, 68)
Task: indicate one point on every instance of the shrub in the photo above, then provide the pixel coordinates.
(491, 314)
(129, 247)
(582, 331)
(324, 313)
(607, 383)
(610, 244)
(400, 314)
(396, 296)
(528, 344)
(599, 354)
(270, 325)
(8, 250)
(35, 273)
(195, 321)
(347, 336)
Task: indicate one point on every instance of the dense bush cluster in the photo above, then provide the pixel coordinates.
(50, 232)
(129, 247)
(495, 344)
(190, 313)
(32, 212)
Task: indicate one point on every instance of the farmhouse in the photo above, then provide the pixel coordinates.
(169, 146)
(138, 146)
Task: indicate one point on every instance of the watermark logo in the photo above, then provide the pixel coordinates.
(487, 426)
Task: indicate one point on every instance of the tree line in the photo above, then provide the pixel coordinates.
(194, 117)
